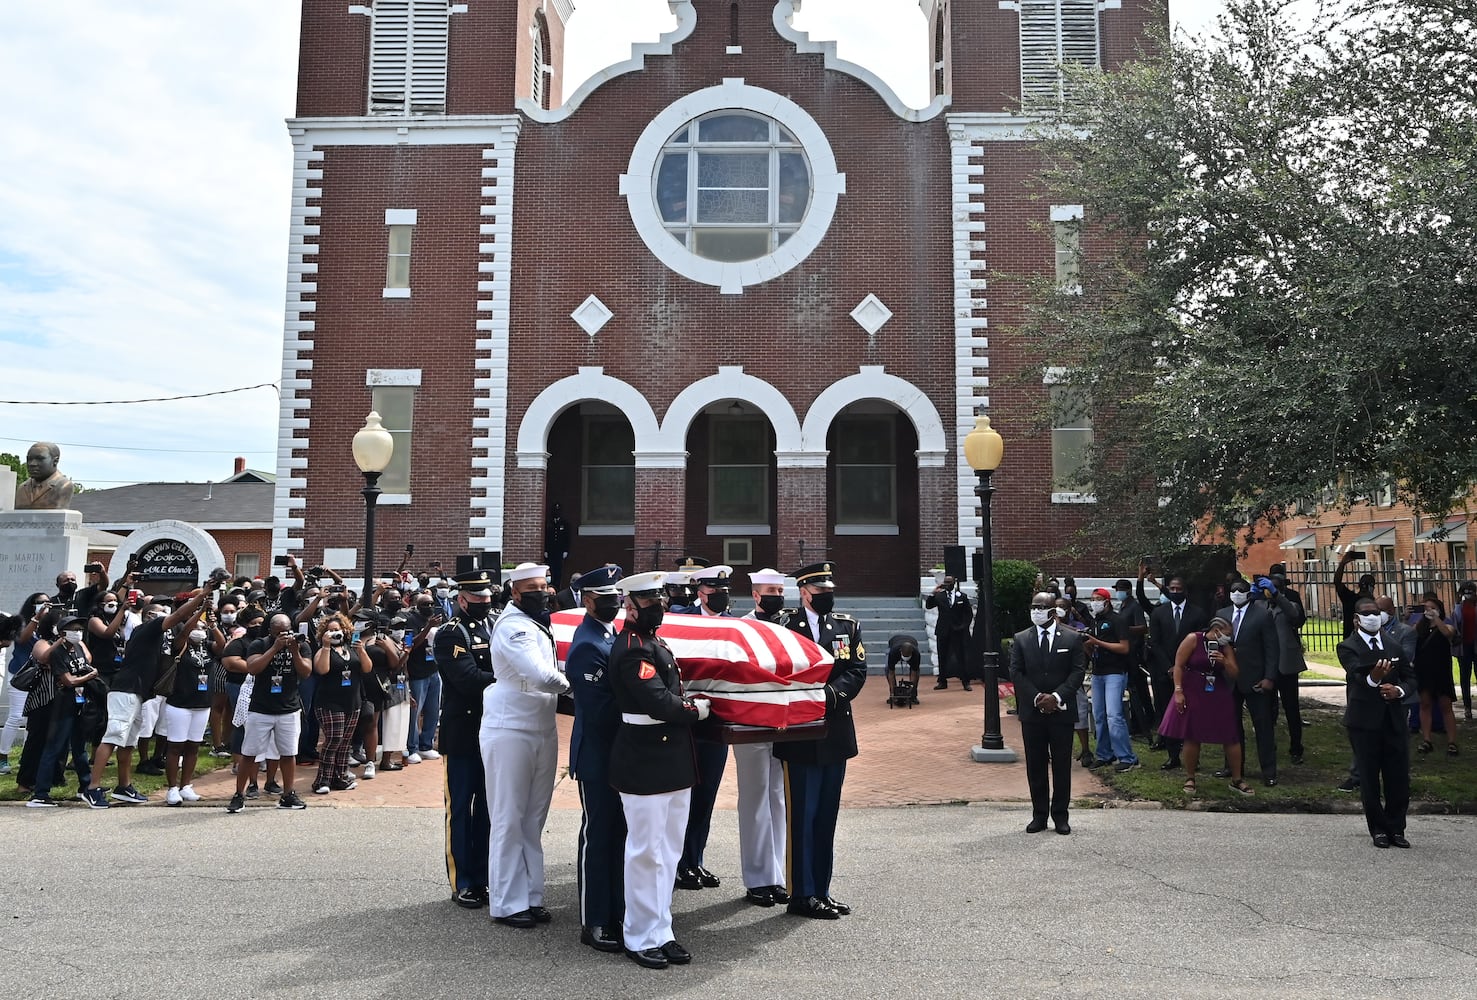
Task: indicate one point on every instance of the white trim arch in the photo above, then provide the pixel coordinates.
(729, 383)
(208, 555)
(588, 384)
(871, 382)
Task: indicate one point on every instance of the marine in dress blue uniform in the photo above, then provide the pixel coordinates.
(712, 583)
(816, 769)
(602, 837)
(464, 660)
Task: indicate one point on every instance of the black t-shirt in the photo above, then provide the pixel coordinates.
(422, 664)
(146, 648)
(63, 659)
(338, 690)
(399, 686)
(1109, 627)
(192, 679)
(236, 647)
(106, 650)
(275, 691)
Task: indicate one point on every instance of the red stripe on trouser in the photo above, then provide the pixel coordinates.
(333, 761)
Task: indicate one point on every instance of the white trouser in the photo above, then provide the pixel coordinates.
(655, 825)
(519, 768)
(14, 717)
(394, 728)
(761, 814)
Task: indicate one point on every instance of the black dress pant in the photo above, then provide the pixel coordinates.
(1261, 707)
(1048, 747)
(951, 655)
(1163, 688)
(1383, 758)
(1287, 694)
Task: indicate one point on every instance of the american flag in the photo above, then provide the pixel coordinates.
(755, 672)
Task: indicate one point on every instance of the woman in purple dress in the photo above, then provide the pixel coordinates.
(1204, 709)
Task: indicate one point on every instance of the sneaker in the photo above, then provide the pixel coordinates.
(40, 802)
(291, 800)
(151, 768)
(5, 762)
(129, 794)
(320, 789)
(346, 785)
(237, 803)
(253, 792)
(1098, 762)
(189, 794)
(413, 758)
(1126, 765)
(172, 798)
(272, 788)
(368, 771)
(356, 758)
(1347, 785)
(430, 755)
(221, 751)
(96, 798)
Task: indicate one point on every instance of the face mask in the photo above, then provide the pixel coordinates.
(1040, 616)
(256, 631)
(1369, 623)
(197, 636)
(67, 589)
(771, 604)
(1060, 612)
(397, 634)
(74, 637)
(1117, 604)
(477, 612)
(607, 606)
(334, 638)
(1096, 607)
(1175, 598)
(441, 593)
(649, 619)
(423, 609)
(111, 609)
(229, 618)
(533, 603)
(391, 603)
(1239, 597)
(718, 602)
(1384, 618)
(1120, 595)
(822, 604)
(1070, 593)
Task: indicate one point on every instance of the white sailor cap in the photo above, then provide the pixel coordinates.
(767, 576)
(712, 576)
(675, 579)
(527, 571)
(642, 584)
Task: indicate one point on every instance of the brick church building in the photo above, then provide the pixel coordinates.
(731, 297)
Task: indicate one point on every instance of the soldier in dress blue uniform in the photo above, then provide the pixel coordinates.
(464, 660)
(712, 583)
(681, 594)
(602, 840)
(651, 765)
(815, 769)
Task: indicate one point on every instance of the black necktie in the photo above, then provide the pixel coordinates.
(1045, 638)
(1374, 643)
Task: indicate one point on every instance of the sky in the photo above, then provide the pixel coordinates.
(144, 196)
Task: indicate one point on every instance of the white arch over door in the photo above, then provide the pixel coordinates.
(871, 382)
(729, 383)
(588, 384)
(208, 555)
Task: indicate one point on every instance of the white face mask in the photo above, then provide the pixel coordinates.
(1060, 612)
(1117, 604)
(398, 634)
(111, 609)
(229, 618)
(197, 636)
(1370, 623)
(1096, 607)
(74, 637)
(1040, 616)
(1384, 618)
(441, 592)
(1239, 598)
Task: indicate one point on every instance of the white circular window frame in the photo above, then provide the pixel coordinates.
(827, 185)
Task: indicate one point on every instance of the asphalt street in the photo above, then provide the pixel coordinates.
(950, 901)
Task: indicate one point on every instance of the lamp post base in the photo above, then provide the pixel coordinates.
(1004, 755)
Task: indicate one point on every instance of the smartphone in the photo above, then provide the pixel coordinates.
(1212, 645)
(303, 630)
(410, 548)
(279, 560)
(93, 568)
(409, 639)
(1358, 555)
(358, 633)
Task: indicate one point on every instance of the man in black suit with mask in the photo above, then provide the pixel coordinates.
(1379, 677)
(1172, 619)
(1258, 654)
(1047, 664)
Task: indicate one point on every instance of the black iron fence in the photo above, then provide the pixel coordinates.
(1403, 582)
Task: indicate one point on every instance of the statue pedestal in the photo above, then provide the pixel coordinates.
(36, 545)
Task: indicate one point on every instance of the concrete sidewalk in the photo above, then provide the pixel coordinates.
(917, 756)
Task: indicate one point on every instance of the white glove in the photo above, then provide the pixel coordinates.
(704, 708)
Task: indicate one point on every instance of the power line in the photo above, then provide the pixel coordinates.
(167, 451)
(122, 402)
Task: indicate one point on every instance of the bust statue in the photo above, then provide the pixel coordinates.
(46, 489)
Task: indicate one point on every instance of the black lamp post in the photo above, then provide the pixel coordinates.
(373, 447)
(983, 450)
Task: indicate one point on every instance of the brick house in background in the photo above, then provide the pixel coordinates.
(730, 298)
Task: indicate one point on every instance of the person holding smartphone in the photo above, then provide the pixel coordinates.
(1435, 638)
(71, 666)
(1203, 709)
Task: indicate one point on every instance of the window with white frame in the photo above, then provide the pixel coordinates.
(1053, 34)
(866, 471)
(1071, 437)
(738, 470)
(248, 564)
(396, 406)
(407, 57)
(608, 472)
(1066, 238)
(400, 229)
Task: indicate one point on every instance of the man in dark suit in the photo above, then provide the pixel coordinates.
(1172, 619)
(1379, 677)
(1258, 653)
(1047, 665)
(815, 769)
(1286, 606)
(951, 631)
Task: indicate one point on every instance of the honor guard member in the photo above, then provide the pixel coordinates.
(652, 767)
(518, 734)
(602, 839)
(761, 779)
(464, 659)
(815, 769)
(681, 594)
(712, 585)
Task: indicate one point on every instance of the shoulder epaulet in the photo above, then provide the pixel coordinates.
(838, 616)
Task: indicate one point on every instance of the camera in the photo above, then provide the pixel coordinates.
(1358, 555)
(93, 568)
(410, 548)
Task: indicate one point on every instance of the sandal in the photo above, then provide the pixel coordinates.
(1425, 747)
(1188, 787)
(1451, 750)
(1240, 785)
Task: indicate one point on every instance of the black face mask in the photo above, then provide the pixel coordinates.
(648, 620)
(67, 589)
(607, 606)
(1174, 598)
(478, 611)
(257, 631)
(718, 602)
(822, 604)
(533, 603)
(771, 604)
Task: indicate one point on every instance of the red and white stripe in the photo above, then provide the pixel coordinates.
(756, 673)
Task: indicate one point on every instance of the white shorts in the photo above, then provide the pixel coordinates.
(151, 717)
(185, 725)
(124, 718)
(272, 736)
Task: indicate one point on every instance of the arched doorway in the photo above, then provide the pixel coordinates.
(873, 507)
(731, 487)
(592, 476)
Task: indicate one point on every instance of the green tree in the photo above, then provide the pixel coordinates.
(14, 463)
(1277, 289)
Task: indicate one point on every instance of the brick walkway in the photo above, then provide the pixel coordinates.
(912, 756)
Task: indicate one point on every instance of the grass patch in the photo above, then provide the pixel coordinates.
(1436, 780)
(148, 784)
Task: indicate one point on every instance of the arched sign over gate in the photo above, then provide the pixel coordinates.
(170, 552)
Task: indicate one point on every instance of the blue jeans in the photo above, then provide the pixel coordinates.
(427, 695)
(1108, 719)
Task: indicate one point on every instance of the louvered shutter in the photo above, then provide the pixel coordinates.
(1054, 33)
(407, 72)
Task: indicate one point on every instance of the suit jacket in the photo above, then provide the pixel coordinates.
(660, 756)
(596, 715)
(841, 636)
(1288, 614)
(1365, 708)
(1058, 670)
(955, 613)
(1258, 649)
(1165, 637)
(466, 669)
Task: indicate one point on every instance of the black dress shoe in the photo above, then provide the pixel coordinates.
(759, 896)
(688, 878)
(1398, 840)
(1170, 765)
(599, 939)
(540, 914)
(1064, 828)
(1270, 782)
(838, 906)
(648, 958)
(1381, 840)
(1297, 758)
(471, 899)
(941, 686)
(1224, 772)
(707, 878)
(676, 954)
(778, 894)
(1037, 824)
(522, 920)
(967, 687)
(813, 907)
